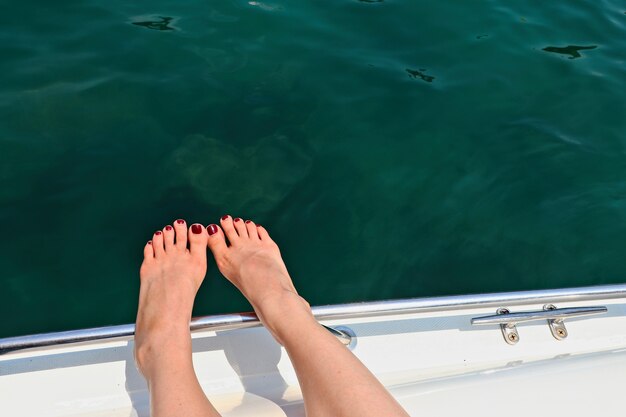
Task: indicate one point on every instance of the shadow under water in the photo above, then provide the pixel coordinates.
(163, 24)
(420, 74)
(571, 50)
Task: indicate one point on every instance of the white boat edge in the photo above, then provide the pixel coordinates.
(425, 350)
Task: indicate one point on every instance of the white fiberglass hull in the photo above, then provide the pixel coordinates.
(427, 352)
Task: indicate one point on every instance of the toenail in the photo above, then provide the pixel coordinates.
(212, 229)
(196, 229)
(180, 221)
(149, 242)
(237, 219)
(158, 232)
(258, 225)
(225, 217)
(248, 221)
(168, 227)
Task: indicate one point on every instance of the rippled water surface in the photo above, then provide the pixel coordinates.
(393, 148)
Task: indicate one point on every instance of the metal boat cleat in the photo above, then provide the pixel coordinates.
(554, 316)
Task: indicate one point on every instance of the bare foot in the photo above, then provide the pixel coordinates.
(253, 264)
(170, 276)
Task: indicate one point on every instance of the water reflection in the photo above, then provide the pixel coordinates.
(571, 50)
(265, 6)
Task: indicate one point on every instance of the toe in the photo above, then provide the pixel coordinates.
(197, 240)
(217, 242)
(168, 237)
(180, 227)
(229, 229)
(252, 232)
(263, 233)
(241, 228)
(148, 252)
(157, 243)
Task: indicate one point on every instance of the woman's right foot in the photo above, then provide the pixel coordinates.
(252, 262)
(170, 277)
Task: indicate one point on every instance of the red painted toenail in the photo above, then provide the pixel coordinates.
(237, 219)
(180, 221)
(248, 221)
(196, 229)
(212, 229)
(168, 227)
(158, 232)
(225, 217)
(258, 225)
(149, 242)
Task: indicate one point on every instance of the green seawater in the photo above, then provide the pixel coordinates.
(393, 148)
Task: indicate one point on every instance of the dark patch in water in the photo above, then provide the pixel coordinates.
(420, 74)
(163, 24)
(571, 50)
(371, 1)
(482, 36)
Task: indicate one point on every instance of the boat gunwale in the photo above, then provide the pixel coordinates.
(332, 312)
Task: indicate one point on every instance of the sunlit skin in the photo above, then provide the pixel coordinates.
(174, 266)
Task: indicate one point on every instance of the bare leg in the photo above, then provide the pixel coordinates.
(333, 381)
(170, 277)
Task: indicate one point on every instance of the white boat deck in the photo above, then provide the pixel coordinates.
(435, 363)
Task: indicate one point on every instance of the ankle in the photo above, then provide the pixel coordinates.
(283, 312)
(162, 350)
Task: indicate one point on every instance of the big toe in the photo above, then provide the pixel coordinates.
(217, 241)
(197, 240)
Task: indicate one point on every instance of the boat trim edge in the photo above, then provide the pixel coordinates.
(332, 312)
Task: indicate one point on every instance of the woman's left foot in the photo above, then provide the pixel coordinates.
(252, 262)
(171, 275)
